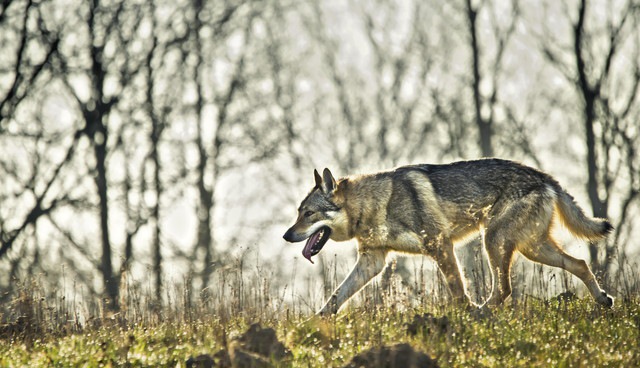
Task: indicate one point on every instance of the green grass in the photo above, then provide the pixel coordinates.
(44, 328)
(530, 333)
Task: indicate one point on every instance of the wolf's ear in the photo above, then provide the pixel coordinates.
(318, 179)
(328, 182)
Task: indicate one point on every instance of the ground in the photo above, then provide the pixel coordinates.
(533, 332)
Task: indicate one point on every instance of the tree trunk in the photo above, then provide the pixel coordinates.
(99, 138)
(484, 125)
(157, 126)
(589, 94)
(155, 213)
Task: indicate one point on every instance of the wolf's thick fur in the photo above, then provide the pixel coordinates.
(425, 209)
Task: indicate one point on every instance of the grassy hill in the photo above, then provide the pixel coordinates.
(532, 332)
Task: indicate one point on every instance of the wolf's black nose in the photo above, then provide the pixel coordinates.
(288, 236)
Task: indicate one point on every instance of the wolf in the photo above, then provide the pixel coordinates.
(425, 209)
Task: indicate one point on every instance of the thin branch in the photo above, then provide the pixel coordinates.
(38, 210)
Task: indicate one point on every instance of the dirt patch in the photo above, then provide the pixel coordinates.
(395, 356)
(428, 324)
(257, 347)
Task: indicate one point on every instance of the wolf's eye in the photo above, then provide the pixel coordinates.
(308, 213)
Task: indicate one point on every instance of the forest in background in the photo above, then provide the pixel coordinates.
(140, 140)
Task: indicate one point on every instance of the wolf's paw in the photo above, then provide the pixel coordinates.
(605, 300)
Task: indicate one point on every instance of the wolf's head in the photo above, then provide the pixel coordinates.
(320, 216)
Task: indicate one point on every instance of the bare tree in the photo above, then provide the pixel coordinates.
(20, 64)
(27, 197)
(105, 26)
(226, 21)
(485, 106)
(158, 123)
(595, 65)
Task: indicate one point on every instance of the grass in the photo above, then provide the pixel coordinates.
(536, 333)
(43, 331)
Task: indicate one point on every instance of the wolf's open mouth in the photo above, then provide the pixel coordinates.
(316, 242)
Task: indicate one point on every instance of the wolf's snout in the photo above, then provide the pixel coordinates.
(289, 236)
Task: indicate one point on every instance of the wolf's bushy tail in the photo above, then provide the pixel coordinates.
(574, 219)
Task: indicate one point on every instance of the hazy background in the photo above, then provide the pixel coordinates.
(149, 144)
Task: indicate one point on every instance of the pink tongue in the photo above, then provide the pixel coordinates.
(306, 252)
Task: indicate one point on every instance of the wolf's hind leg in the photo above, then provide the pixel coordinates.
(512, 222)
(549, 253)
(369, 264)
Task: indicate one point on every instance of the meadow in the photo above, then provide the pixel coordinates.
(241, 327)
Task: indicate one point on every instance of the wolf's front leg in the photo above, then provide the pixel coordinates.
(369, 264)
